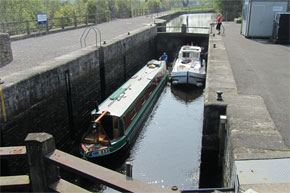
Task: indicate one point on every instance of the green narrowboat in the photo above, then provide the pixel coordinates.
(117, 120)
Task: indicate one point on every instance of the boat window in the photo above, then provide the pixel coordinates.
(133, 113)
(195, 55)
(143, 100)
(116, 131)
(185, 55)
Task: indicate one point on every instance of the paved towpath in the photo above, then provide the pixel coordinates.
(262, 68)
(32, 52)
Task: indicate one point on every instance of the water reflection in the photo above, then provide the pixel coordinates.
(167, 151)
(186, 93)
(168, 148)
(192, 20)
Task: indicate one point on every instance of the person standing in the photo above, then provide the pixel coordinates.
(219, 23)
(164, 57)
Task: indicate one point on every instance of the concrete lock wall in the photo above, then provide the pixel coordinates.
(177, 40)
(5, 49)
(51, 98)
(126, 54)
(58, 96)
(248, 133)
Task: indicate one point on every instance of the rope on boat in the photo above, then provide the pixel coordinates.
(3, 105)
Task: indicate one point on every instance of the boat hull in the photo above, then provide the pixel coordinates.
(133, 130)
(187, 77)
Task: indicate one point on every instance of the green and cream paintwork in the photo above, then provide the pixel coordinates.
(129, 104)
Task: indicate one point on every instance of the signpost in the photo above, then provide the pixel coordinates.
(41, 18)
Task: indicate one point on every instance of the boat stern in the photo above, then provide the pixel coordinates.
(94, 150)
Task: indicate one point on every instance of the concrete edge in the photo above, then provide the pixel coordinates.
(251, 132)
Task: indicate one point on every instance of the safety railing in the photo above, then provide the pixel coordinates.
(44, 162)
(30, 27)
(12, 182)
(83, 39)
(183, 29)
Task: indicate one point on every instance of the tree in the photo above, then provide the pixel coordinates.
(185, 3)
(123, 8)
(99, 8)
(229, 8)
(153, 5)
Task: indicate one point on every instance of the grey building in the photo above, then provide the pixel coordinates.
(258, 16)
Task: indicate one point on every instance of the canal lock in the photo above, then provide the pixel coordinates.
(70, 94)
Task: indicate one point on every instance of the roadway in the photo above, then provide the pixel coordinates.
(31, 52)
(261, 68)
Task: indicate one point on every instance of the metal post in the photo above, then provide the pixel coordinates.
(27, 27)
(129, 170)
(41, 174)
(219, 92)
(3, 27)
(222, 134)
(62, 22)
(183, 28)
(87, 20)
(47, 26)
(76, 21)
(109, 15)
(96, 19)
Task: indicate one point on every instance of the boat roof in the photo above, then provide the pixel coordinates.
(190, 49)
(118, 103)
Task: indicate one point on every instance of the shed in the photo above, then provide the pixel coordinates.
(258, 16)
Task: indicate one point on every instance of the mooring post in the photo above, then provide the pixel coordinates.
(183, 28)
(129, 170)
(222, 136)
(41, 174)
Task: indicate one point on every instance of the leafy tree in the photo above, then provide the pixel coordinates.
(154, 5)
(65, 11)
(123, 8)
(185, 3)
(229, 8)
(99, 8)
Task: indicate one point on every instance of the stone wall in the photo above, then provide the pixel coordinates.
(126, 54)
(5, 49)
(249, 133)
(177, 40)
(58, 96)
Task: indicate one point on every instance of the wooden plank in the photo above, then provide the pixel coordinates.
(14, 180)
(100, 117)
(103, 175)
(12, 151)
(64, 186)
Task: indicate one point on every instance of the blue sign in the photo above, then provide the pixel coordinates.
(41, 18)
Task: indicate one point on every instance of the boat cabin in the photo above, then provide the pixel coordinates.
(189, 53)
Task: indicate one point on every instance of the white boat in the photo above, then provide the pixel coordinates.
(188, 68)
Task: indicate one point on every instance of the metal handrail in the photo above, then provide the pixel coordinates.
(181, 27)
(86, 33)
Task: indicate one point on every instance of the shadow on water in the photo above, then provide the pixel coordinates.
(168, 148)
(186, 93)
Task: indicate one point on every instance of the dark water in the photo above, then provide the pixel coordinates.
(192, 20)
(167, 151)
